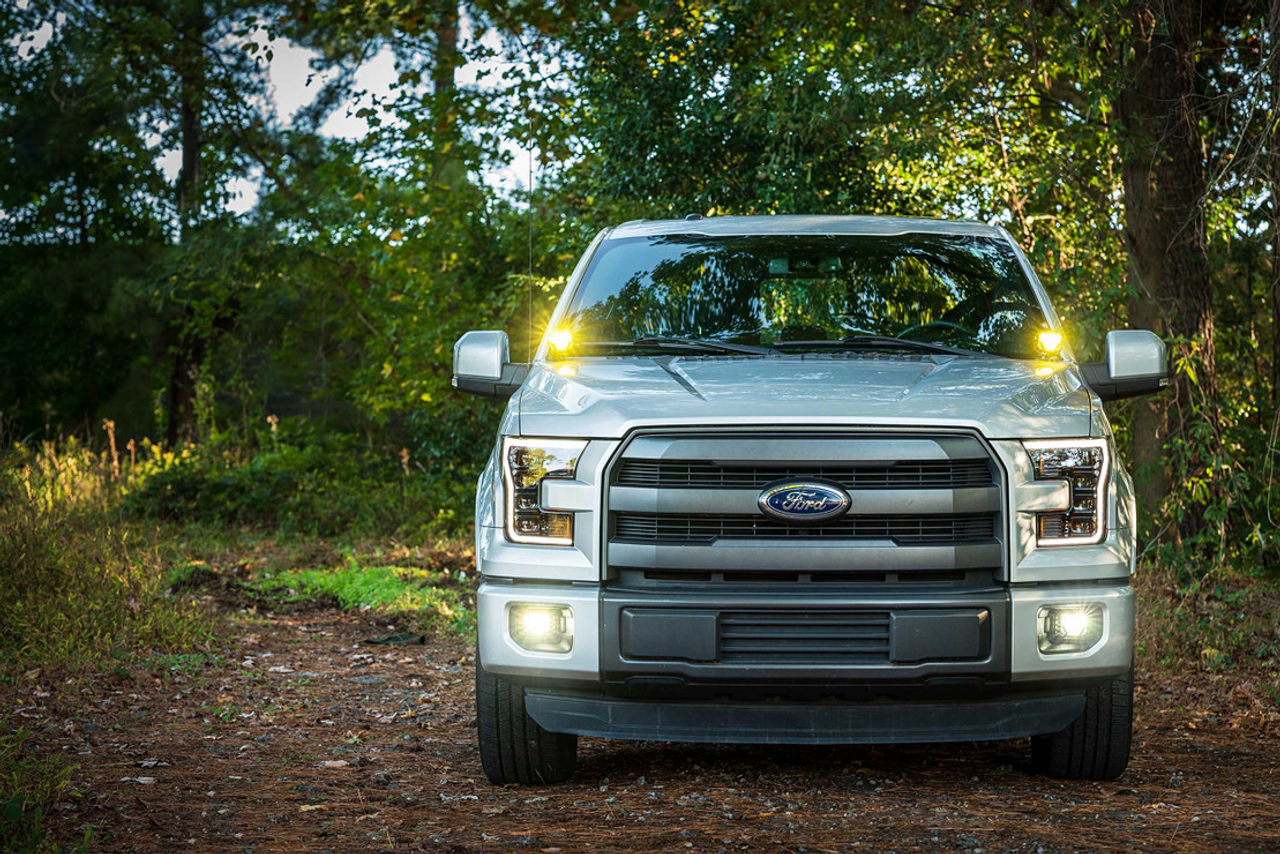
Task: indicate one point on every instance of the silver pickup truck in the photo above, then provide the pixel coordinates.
(808, 480)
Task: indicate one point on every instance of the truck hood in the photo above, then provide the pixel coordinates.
(1001, 398)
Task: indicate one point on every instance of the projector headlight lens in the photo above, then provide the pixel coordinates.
(539, 627)
(525, 464)
(1069, 628)
(1085, 465)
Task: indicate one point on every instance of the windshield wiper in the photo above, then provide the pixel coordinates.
(700, 344)
(881, 342)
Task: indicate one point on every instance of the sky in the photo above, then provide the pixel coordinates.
(292, 85)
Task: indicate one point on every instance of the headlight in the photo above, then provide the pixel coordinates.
(1085, 465)
(525, 463)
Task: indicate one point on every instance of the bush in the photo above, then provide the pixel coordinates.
(29, 785)
(78, 586)
(328, 485)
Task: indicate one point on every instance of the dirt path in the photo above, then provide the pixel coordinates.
(313, 740)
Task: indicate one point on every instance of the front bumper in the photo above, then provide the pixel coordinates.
(804, 723)
(636, 643)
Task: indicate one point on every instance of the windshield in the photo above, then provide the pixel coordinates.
(799, 293)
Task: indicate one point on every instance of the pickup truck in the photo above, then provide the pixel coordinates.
(805, 480)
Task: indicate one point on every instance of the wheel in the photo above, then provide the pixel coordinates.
(1096, 745)
(514, 748)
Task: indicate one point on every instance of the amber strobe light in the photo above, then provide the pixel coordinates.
(560, 339)
(526, 463)
(1085, 465)
(1050, 342)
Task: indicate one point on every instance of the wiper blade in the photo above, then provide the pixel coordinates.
(701, 344)
(872, 342)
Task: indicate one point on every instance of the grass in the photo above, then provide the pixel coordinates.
(108, 555)
(110, 567)
(81, 587)
(30, 785)
(430, 598)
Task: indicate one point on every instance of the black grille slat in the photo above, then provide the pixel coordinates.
(677, 474)
(903, 529)
(663, 578)
(842, 636)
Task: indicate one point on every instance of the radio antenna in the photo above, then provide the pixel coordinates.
(530, 214)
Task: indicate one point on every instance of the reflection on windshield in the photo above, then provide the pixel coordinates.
(964, 292)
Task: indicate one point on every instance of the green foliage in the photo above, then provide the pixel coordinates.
(29, 785)
(339, 297)
(430, 597)
(304, 482)
(79, 587)
(71, 336)
(1220, 620)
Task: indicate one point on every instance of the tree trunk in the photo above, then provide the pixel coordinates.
(1164, 187)
(1273, 24)
(449, 172)
(189, 344)
(188, 356)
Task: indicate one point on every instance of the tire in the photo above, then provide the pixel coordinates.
(1096, 745)
(514, 748)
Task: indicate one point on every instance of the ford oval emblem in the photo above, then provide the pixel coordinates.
(802, 502)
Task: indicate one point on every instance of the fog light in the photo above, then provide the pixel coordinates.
(540, 627)
(1069, 628)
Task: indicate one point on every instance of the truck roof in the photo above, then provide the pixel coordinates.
(748, 225)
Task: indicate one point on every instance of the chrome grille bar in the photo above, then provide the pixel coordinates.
(677, 474)
(745, 502)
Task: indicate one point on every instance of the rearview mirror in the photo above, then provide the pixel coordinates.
(482, 365)
(1136, 365)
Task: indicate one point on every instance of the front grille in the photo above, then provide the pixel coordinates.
(927, 474)
(844, 637)
(904, 529)
(683, 508)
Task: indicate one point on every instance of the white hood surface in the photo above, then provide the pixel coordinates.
(1002, 398)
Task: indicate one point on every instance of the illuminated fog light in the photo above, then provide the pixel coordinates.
(1072, 624)
(536, 623)
(539, 627)
(1069, 628)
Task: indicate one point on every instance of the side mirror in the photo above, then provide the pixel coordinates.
(1136, 365)
(482, 365)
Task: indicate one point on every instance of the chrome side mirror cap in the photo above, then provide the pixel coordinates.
(482, 365)
(1136, 364)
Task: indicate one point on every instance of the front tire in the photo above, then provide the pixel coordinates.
(1096, 745)
(514, 748)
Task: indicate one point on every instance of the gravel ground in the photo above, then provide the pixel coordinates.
(307, 738)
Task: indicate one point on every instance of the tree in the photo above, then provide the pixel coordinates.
(82, 220)
(1165, 194)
